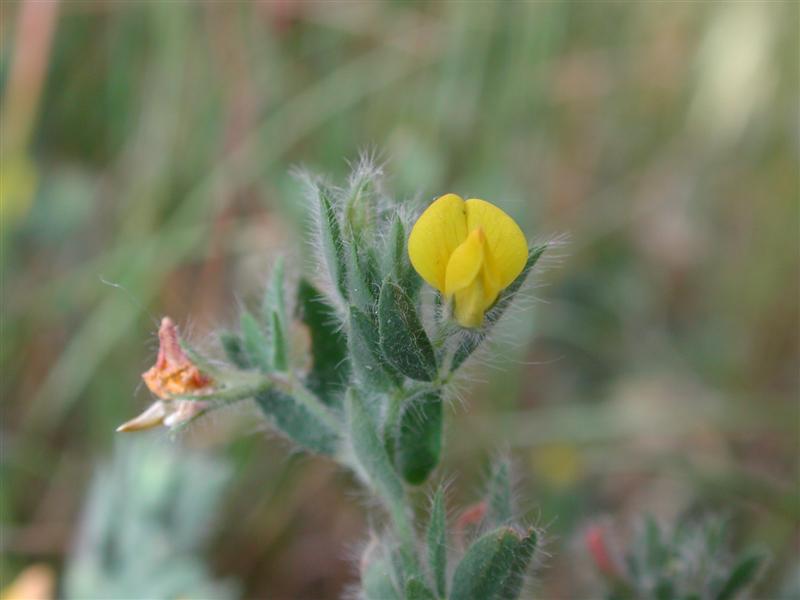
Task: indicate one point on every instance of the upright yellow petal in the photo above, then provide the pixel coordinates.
(506, 246)
(435, 236)
(465, 263)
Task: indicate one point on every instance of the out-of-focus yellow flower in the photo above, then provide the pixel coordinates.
(36, 582)
(558, 464)
(469, 250)
(18, 180)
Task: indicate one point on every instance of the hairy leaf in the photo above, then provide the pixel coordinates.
(256, 344)
(499, 504)
(494, 566)
(298, 419)
(437, 542)
(417, 590)
(365, 352)
(234, 350)
(403, 339)
(330, 368)
(418, 441)
(329, 234)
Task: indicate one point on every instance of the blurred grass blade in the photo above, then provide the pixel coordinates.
(742, 575)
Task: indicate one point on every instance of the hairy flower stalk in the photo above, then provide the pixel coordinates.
(372, 395)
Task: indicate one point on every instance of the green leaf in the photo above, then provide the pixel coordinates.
(396, 262)
(256, 344)
(376, 581)
(494, 566)
(330, 368)
(470, 340)
(365, 352)
(329, 234)
(275, 294)
(362, 278)
(437, 542)
(418, 441)
(417, 590)
(499, 505)
(742, 575)
(656, 552)
(297, 417)
(403, 339)
(274, 314)
(280, 348)
(234, 350)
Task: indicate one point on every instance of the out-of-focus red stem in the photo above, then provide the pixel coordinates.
(598, 549)
(36, 20)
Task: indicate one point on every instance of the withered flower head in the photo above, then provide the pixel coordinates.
(173, 374)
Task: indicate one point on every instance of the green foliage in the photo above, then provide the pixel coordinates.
(418, 437)
(402, 336)
(377, 575)
(417, 590)
(499, 494)
(330, 367)
(329, 235)
(494, 566)
(691, 559)
(397, 265)
(370, 346)
(255, 342)
(365, 352)
(299, 421)
(144, 527)
(274, 312)
(234, 350)
(437, 542)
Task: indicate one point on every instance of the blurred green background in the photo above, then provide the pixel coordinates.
(653, 367)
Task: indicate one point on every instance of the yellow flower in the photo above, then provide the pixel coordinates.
(469, 250)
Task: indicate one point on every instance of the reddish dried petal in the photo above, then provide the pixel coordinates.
(173, 374)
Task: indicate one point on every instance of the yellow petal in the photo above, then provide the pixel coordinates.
(469, 305)
(506, 247)
(465, 263)
(435, 236)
